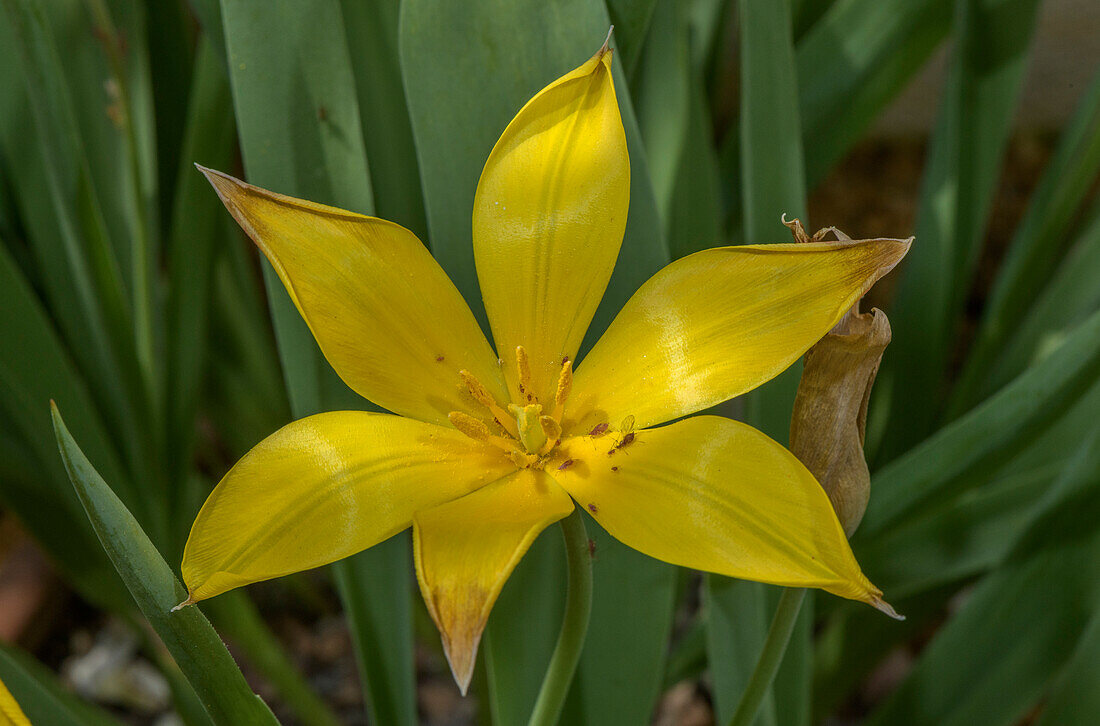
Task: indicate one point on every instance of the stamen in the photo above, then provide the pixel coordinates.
(482, 396)
(478, 431)
(523, 368)
(565, 387)
(552, 429)
(467, 424)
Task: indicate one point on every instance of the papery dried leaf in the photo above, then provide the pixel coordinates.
(830, 410)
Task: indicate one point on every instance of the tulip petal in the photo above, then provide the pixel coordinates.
(548, 220)
(715, 495)
(384, 313)
(466, 549)
(324, 488)
(718, 323)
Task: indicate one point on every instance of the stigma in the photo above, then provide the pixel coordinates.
(526, 430)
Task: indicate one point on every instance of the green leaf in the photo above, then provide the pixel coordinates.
(632, 19)
(523, 629)
(853, 61)
(30, 373)
(209, 15)
(957, 537)
(387, 134)
(660, 89)
(169, 29)
(41, 698)
(991, 433)
(968, 530)
(301, 134)
(738, 615)
(687, 659)
(481, 63)
(982, 667)
(1032, 257)
(1067, 300)
(197, 229)
(245, 383)
(376, 589)
(187, 634)
(239, 620)
(992, 46)
(806, 13)
(1075, 699)
(695, 214)
(68, 238)
(854, 639)
(622, 666)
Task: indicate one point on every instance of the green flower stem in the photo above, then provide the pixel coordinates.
(779, 634)
(574, 626)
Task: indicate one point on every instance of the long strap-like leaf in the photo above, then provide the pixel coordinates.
(187, 634)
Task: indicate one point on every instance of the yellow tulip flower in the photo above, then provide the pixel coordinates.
(483, 451)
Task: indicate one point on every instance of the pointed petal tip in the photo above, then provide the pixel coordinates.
(189, 601)
(208, 172)
(607, 41)
(605, 51)
(462, 665)
(884, 607)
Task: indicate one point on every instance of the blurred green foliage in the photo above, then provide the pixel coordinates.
(129, 297)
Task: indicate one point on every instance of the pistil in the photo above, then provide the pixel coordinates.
(530, 429)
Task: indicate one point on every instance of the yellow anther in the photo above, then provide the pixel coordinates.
(478, 391)
(482, 396)
(469, 425)
(523, 369)
(565, 387)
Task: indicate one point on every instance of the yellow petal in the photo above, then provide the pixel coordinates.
(386, 316)
(467, 548)
(324, 488)
(718, 323)
(716, 495)
(10, 713)
(548, 220)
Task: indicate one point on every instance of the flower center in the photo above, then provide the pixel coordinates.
(526, 434)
